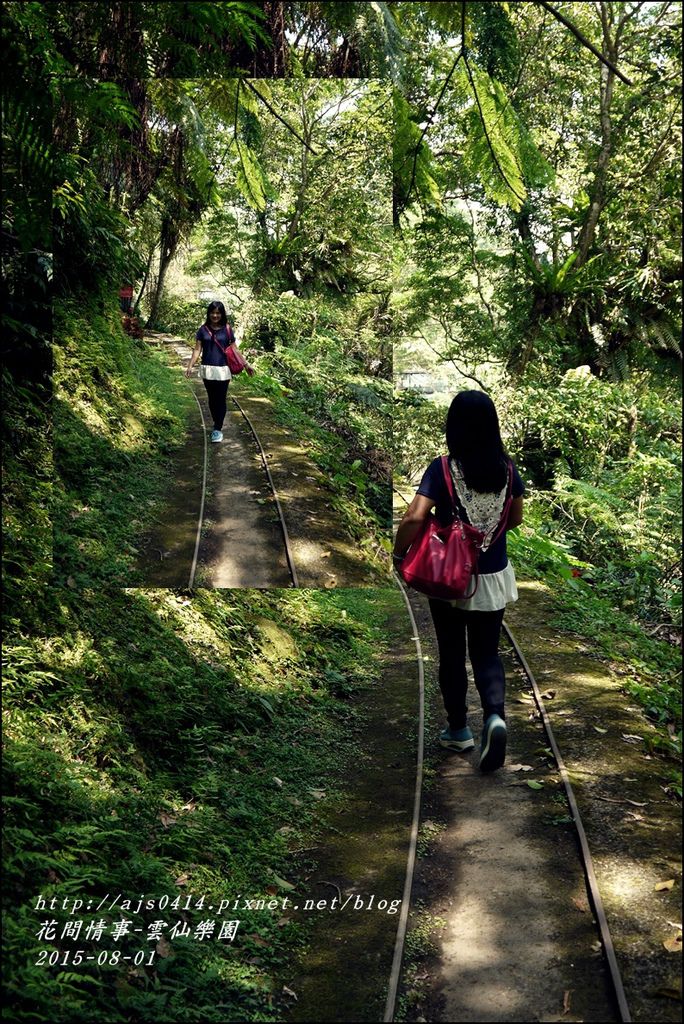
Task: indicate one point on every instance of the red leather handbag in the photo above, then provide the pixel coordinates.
(442, 560)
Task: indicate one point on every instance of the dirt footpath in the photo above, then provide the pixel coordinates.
(501, 929)
(633, 826)
(241, 544)
(361, 856)
(323, 555)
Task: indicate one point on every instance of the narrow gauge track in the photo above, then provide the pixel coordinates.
(205, 461)
(592, 885)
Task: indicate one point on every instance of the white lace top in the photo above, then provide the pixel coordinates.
(494, 590)
(483, 509)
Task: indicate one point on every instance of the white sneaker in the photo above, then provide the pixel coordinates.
(216, 435)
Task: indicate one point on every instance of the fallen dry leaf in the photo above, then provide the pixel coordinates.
(581, 903)
(519, 768)
(182, 880)
(566, 1001)
(674, 944)
(663, 886)
(289, 992)
(548, 694)
(163, 948)
(167, 819)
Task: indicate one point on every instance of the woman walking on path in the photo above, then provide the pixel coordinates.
(479, 470)
(212, 342)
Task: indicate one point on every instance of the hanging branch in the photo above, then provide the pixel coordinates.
(450, 359)
(235, 131)
(275, 113)
(432, 116)
(584, 41)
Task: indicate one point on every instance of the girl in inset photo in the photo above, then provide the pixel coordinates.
(220, 358)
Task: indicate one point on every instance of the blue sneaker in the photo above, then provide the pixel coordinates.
(456, 739)
(216, 435)
(493, 748)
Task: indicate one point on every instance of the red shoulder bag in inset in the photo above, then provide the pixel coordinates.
(442, 560)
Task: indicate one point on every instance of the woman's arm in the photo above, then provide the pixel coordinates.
(515, 514)
(414, 516)
(248, 366)
(196, 353)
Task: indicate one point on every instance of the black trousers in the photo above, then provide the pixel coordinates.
(482, 630)
(217, 393)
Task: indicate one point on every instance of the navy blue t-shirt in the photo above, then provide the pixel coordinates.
(211, 353)
(433, 486)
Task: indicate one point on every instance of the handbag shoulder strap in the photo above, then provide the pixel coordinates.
(450, 485)
(229, 336)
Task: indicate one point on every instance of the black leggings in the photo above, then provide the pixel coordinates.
(217, 393)
(482, 629)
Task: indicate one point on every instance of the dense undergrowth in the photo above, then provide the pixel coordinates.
(327, 419)
(119, 412)
(161, 742)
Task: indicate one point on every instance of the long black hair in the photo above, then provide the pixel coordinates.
(474, 441)
(222, 310)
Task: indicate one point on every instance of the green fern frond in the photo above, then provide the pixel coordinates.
(414, 173)
(220, 94)
(251, 179)
(665, 337)
(618, 365)
(500, 150)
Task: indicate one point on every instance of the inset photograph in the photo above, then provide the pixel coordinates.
(223, 418)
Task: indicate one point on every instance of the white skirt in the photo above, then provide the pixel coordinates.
(208, 372)
(494, 591)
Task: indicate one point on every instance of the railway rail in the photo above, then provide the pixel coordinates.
(264, 461)
(587, 863)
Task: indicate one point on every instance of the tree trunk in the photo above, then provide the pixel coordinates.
(598, 190)
(146, 275)
(170, 237)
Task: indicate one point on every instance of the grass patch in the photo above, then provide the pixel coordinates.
(119, 413)
(343, 423)
(165, 743)
(649, 669)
